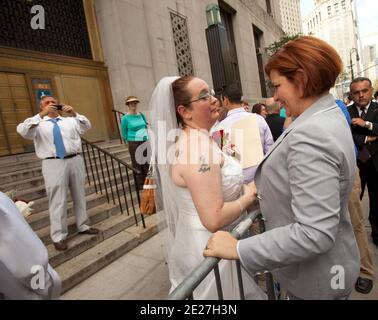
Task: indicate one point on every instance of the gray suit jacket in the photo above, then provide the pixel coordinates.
(304, 184)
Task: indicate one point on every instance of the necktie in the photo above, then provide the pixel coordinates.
(363, 154)
(58, 139)
(363, 113)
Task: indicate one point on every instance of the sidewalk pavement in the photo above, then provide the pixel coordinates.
(140, 274)
(373, 295)
(143, 274)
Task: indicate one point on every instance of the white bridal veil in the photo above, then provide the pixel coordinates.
(164, 129)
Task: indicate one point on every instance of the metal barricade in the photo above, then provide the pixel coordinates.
(186, 288)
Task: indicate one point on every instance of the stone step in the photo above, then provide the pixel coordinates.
(110, 143)
(95, 214)
(13, 176)
(41, 202)
(12, 179)
(31, 156)
(78, 243)
(25, 184)
(121, 152)
(40, 218)
(31, 161)
(19, 158)
(37, 192)
(16, 167)
(114, 147)
(90, 261)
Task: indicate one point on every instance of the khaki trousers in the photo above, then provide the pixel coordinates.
(357, 219)
(61, 176)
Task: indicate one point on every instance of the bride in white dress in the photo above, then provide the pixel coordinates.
(200, 189)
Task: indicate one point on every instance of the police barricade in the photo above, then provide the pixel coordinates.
(185, 289)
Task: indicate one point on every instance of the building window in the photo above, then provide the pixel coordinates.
(320, 16)
(258, 37)
(336, 7)
(182, 46)
(65, 31)
(329, 9)
(268, 7)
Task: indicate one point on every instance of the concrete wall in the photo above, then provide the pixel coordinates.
(139, 50)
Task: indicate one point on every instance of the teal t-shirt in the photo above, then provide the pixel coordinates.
(134, 127)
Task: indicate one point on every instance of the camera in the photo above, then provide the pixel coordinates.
(59, 106)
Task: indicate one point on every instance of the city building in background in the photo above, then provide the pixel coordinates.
(370, 59)
(92, 54)
(175, 38)
(291, 18)
(335, 21)
(371, 62)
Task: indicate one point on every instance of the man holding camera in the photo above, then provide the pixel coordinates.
(57, 142)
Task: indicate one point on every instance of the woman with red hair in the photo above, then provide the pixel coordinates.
(304, 183)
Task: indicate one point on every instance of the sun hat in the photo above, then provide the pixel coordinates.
(131, 99)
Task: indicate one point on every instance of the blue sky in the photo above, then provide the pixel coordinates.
(367, 18)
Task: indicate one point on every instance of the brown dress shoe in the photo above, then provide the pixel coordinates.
(61, 245)
(90, 231)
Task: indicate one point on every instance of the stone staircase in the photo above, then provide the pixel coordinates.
(86, 254)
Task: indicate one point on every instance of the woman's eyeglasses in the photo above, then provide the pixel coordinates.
(204, 96)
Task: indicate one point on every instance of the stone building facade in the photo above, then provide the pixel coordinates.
(51, 47)
(145, 40)
(291, 16)
(92, 54)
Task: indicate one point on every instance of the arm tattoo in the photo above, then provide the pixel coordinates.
(204, 166)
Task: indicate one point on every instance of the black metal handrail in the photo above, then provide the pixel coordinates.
(118, 116)
(186, 288)
(102, 167)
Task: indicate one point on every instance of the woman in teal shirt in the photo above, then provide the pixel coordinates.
(134, 131)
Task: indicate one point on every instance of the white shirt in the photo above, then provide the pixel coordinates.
(237, 114)
(42, 134)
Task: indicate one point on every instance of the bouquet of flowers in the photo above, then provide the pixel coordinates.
(222, 138)
(24, 206)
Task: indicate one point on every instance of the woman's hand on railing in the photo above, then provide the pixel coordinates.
(222, 245)
(250, 196)
(250, 191)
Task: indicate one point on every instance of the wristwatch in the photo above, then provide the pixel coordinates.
(367, 124)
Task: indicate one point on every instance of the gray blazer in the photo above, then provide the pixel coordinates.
(304, 184)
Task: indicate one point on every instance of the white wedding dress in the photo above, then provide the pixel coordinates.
(191, 238)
